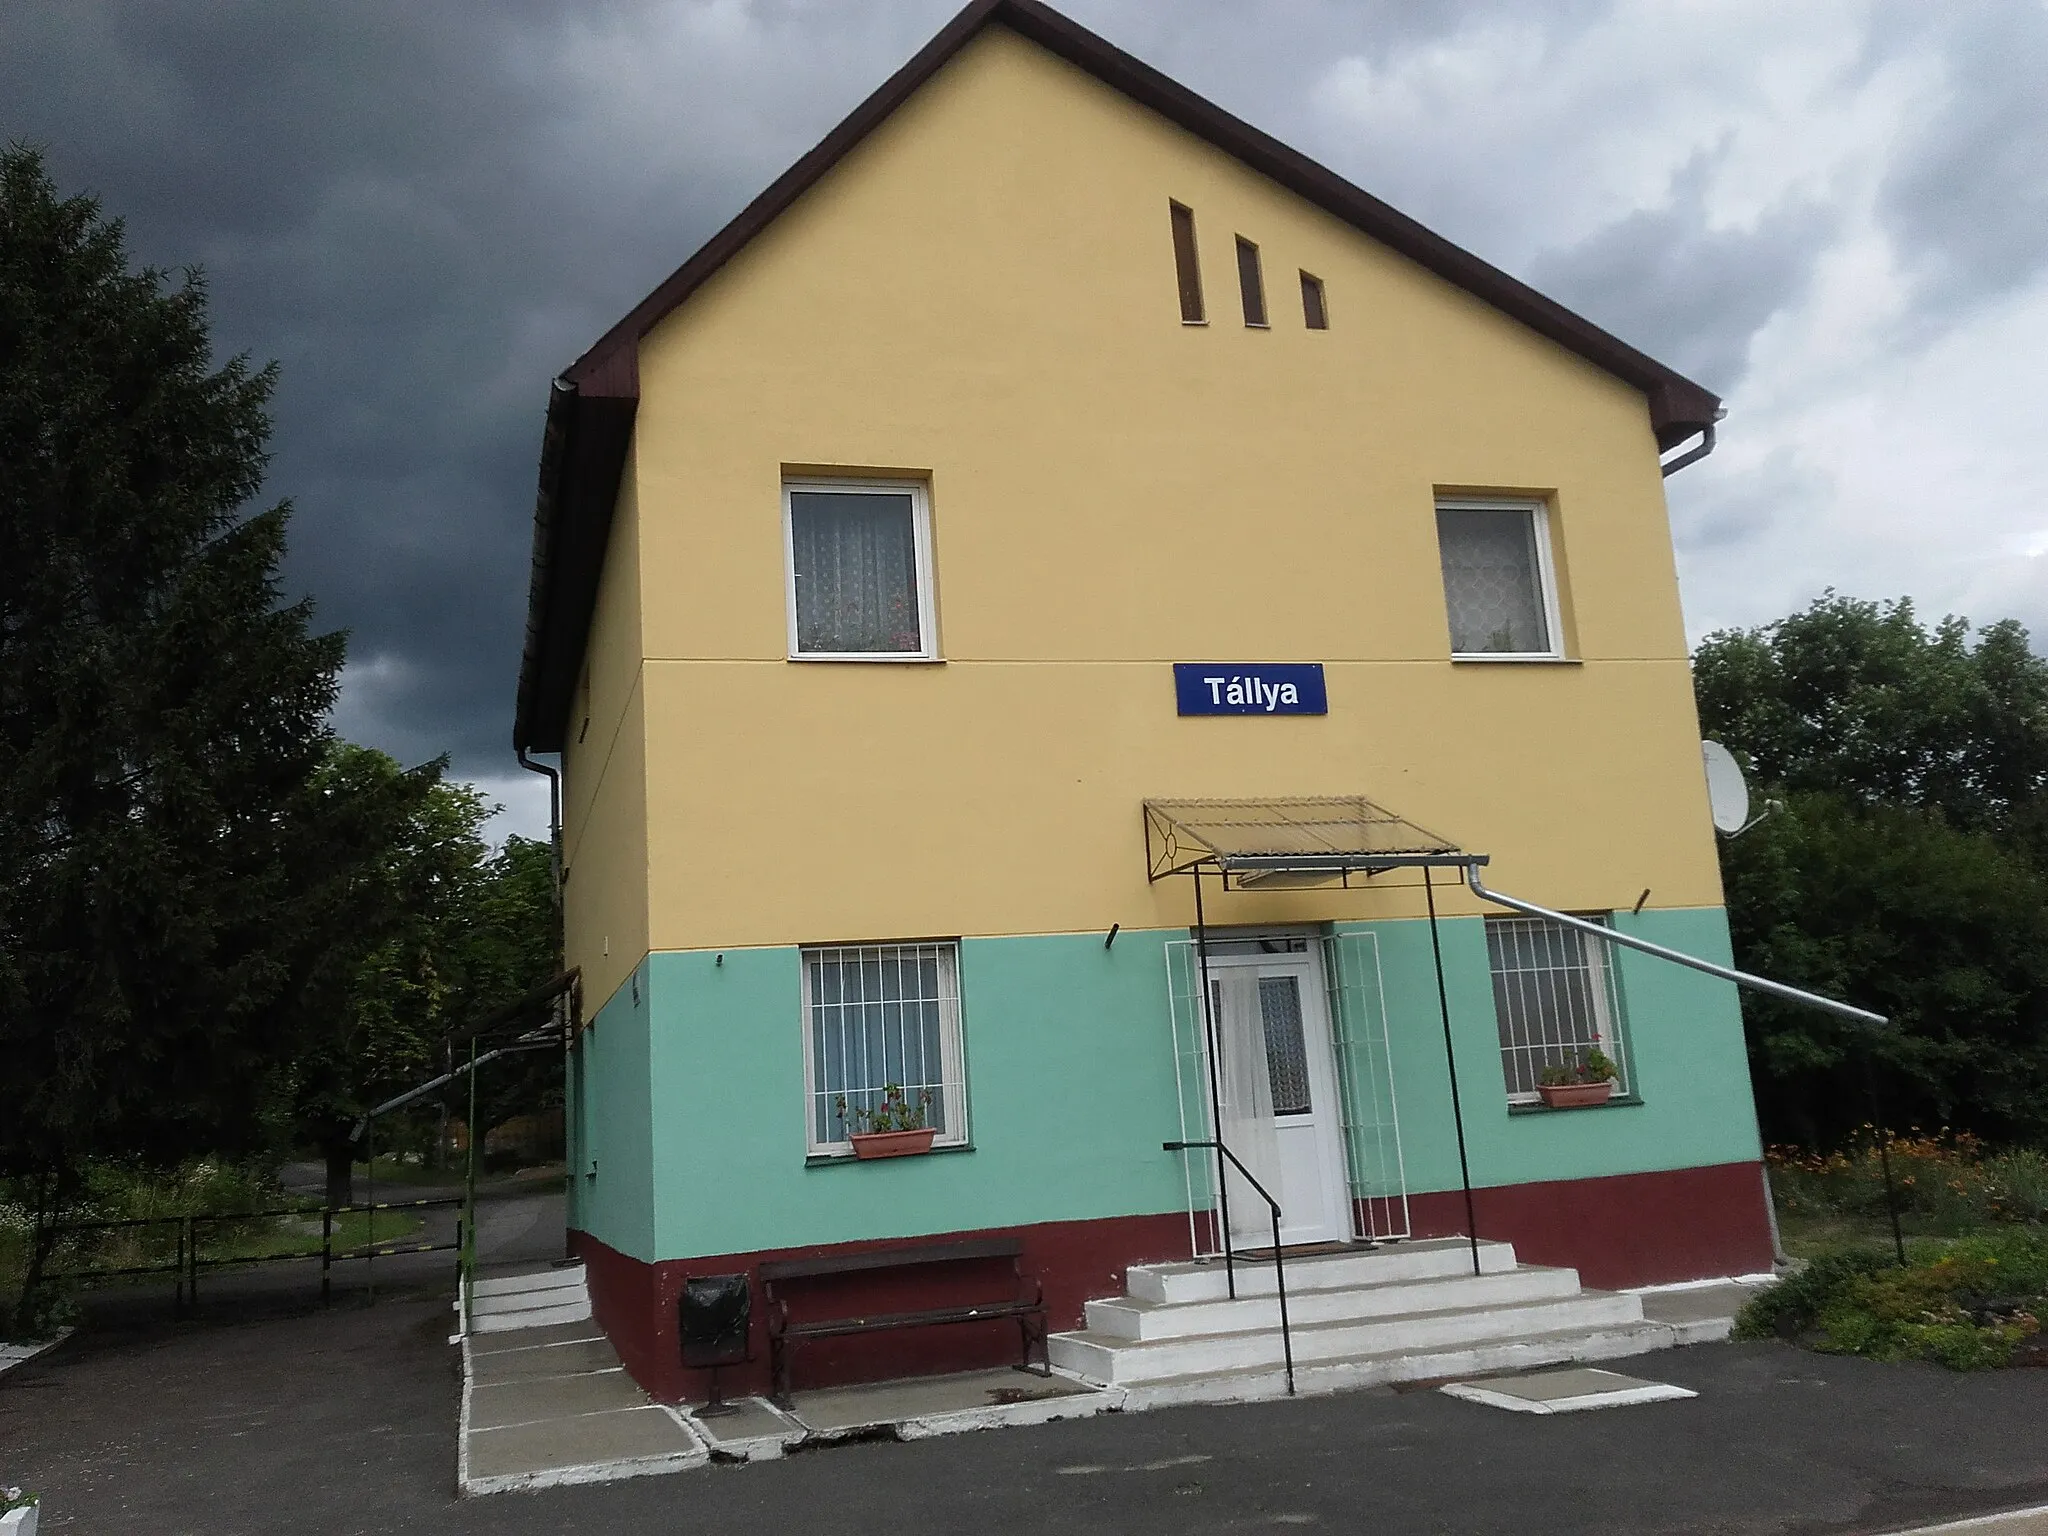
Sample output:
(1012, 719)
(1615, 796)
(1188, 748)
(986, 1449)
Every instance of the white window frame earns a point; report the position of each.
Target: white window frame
(1604, 991)
(1546, 574)
(921, 538)
(952, 1059)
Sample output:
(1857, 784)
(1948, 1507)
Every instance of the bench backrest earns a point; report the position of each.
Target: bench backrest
(891, 1258)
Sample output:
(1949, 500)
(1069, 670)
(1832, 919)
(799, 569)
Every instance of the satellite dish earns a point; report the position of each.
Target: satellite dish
(1727, 793)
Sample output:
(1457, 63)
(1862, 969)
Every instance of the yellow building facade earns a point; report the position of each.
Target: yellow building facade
(958, 346)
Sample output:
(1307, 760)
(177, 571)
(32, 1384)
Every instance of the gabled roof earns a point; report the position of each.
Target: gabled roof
(590, 413)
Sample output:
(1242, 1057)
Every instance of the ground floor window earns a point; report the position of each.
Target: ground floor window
(877, 1017)
(1554, 999)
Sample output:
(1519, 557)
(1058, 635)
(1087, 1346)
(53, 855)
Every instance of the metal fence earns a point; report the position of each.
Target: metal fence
(179, 1245)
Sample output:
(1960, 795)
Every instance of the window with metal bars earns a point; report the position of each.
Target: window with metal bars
(1554, 999)
(878, 1016)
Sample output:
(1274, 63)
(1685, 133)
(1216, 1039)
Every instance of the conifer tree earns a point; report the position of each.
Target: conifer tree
(164, 854)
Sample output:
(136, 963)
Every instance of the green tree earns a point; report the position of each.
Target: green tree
(162, 714)
(509, 943)
(1861, 701)
(431, 931)
(388, 986)
(1906, 871)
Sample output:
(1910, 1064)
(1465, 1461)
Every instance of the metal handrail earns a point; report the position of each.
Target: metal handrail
(1279, 1262)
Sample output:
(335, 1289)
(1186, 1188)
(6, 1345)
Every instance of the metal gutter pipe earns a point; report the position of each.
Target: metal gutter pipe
(554, 778)
(1677, 957)
(1692, 455)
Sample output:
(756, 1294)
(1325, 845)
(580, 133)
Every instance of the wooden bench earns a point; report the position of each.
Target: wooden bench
(1027, 1307)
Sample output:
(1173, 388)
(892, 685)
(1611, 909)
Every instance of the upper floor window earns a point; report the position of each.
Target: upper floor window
(859, 570)
(1499, 589)
(1554, 1000)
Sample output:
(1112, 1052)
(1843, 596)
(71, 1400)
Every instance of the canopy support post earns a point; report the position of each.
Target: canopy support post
(1215, 1094)
(1443, 1003)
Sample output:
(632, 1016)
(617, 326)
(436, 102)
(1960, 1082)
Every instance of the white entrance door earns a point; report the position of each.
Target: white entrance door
(1308, 1122)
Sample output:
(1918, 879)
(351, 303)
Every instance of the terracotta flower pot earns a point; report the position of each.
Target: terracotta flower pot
(893, 1143)
(1576, 1095)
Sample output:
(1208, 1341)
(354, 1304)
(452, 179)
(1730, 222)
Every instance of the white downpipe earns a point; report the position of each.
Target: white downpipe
(1677, 957)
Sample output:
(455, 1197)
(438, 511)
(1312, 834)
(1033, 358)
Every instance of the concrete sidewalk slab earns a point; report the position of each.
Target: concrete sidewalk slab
(557, 1413)
(1569, 1391)
(534, 1338)
(588, 1448)
(12, 1355)
(754, 1430)
(921, 1407)
(541, 1360)
(1701, 1314)
(493, 1406)
(2015, 1522)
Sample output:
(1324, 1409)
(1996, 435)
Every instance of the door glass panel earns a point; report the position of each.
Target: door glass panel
(1286, 1049)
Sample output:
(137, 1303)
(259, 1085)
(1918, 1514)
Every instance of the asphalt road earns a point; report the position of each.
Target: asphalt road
(344, 1422)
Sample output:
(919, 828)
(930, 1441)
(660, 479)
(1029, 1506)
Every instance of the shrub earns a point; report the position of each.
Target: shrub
(1967, 1304)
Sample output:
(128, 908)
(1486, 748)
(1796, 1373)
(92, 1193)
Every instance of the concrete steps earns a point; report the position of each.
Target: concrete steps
(1133, 1319)
(1565, 1347)
(501, 1303)
(1402, 1312)
(1429, 1258)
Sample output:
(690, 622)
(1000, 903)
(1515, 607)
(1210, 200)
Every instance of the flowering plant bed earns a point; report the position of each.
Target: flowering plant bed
(1587, 1080)
(873, 1144)
(896, 1127)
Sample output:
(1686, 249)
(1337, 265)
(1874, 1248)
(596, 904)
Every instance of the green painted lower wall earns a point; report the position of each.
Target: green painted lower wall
(1069, 1081)
(1686, 1057)
(693, 1103)
(610, 1124)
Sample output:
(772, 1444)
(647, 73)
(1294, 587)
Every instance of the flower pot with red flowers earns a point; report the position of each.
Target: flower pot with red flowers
(897, 1127)
(1580, 1084)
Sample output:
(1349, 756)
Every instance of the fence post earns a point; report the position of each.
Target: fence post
(191, 1232)
(178, 1290)
(326, 1250)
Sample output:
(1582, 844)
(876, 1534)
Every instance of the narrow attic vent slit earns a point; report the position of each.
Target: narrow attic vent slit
(1250, 283)
(1315, 313)
(1187, 266)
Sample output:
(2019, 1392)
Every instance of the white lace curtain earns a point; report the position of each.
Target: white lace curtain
(1245, 1087)
(1492, 582)
(855, 556)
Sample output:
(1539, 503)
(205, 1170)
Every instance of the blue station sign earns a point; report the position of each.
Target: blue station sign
(1250, 688)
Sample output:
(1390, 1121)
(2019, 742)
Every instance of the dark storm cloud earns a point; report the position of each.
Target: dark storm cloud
(382, 202)
(1689, 293)
(425, 210)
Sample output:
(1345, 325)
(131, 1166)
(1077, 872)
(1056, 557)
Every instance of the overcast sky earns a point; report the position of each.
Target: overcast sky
(1833, 212)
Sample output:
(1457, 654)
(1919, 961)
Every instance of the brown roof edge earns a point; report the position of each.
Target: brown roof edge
(1678, 407)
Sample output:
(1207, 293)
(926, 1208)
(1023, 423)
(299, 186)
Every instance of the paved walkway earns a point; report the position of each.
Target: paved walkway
(345, 1423)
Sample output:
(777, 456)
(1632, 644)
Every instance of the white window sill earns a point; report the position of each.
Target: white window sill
(1538, 1107)
(828, 1158)
(886, 658)
(1515, 658)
